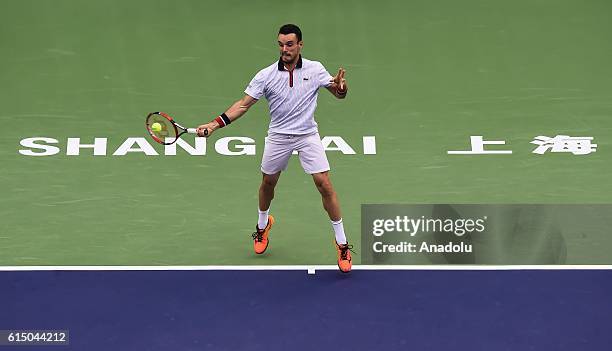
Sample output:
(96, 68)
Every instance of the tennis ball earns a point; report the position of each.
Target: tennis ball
(156, 127)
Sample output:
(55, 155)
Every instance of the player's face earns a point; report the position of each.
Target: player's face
(289, 47)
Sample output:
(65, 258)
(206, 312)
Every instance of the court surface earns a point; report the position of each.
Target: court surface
(424, 76)
(279, 310)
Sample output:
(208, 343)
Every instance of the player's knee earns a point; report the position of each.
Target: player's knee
(269, 182)
(325, 188)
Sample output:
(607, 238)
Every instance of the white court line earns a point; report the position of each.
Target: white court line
(307, 267)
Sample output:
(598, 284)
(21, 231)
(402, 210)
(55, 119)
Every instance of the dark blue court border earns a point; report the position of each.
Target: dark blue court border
(290, 310)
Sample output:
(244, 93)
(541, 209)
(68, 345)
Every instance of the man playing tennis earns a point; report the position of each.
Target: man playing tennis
(291, 87)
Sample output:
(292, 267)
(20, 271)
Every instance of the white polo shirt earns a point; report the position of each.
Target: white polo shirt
(292, 96)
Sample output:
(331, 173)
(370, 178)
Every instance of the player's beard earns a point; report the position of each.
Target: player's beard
(292, 58)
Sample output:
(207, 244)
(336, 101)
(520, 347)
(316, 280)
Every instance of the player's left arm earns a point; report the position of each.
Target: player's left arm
(338, 86)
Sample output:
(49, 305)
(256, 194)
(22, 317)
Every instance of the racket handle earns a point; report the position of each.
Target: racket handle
(195, 131)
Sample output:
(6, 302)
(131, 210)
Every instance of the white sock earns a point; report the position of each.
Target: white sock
(263, 219)
(339, 231)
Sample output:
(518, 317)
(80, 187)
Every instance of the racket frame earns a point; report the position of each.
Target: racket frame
(175, 125)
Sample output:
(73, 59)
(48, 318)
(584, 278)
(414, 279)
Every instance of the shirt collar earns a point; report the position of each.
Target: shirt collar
(281, 65)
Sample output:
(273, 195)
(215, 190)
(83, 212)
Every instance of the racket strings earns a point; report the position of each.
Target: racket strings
(161, 128)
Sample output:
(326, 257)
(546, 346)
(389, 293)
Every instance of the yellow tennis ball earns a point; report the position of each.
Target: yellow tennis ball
(156, 127)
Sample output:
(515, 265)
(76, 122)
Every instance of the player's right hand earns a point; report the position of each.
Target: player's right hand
(208, 127)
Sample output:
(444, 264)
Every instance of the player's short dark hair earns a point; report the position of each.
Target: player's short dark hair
(291, 28)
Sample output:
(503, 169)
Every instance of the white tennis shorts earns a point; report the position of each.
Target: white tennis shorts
(279, 147)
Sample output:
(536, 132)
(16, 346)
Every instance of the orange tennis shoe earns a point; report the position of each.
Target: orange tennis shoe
(260, 237)
(344, 257)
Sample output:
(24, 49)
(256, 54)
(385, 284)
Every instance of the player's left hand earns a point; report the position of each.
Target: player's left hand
(339, 79)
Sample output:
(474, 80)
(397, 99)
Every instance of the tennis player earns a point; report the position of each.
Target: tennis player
(291, 86)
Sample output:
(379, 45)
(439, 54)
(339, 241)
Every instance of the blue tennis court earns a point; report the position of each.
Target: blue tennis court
(281, 310)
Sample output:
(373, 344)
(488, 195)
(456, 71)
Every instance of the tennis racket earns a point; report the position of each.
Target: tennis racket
(165, 130)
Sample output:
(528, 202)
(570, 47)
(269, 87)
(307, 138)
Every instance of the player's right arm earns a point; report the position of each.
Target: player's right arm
(234, 112)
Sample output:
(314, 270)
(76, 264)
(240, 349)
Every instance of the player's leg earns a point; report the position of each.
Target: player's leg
(314, 161)
(328, 195)
(266, 194)
(332, 206)
(277, 152)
